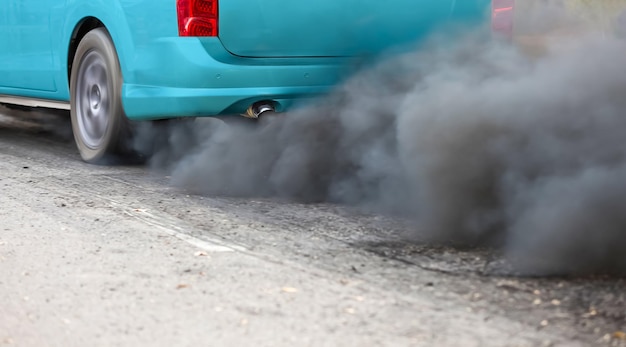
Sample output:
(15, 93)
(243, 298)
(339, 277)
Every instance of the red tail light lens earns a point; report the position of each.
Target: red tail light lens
(197, 17)
(502, 16)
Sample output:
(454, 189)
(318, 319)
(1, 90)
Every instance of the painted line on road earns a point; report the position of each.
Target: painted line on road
(194, 241)
(168, 227)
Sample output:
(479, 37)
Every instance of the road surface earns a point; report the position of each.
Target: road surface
(116, 256)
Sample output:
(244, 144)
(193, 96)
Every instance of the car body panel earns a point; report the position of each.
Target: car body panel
(279, 28)
(170, 76)
(25, 38)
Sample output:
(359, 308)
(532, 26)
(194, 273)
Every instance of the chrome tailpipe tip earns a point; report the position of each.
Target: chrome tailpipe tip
(259, 108)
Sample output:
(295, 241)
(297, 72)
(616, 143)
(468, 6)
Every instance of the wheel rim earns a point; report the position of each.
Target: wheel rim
(92, 98)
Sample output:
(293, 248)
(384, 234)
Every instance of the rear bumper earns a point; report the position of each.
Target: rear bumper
(178, 77)
(157, 102)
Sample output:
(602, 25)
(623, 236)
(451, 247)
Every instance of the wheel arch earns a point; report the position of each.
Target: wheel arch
(82, 28)
(83, 17)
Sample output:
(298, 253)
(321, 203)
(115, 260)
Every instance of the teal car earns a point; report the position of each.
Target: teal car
(113, 61)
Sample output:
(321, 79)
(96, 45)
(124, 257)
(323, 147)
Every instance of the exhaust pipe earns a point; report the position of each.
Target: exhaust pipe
(259, 108)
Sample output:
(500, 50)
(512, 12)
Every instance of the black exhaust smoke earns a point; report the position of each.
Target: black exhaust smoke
(476, 142)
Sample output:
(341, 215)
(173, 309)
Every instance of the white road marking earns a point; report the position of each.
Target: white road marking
(172, 228)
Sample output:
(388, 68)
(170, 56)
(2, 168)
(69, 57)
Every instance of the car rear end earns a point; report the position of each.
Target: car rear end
(212, 57)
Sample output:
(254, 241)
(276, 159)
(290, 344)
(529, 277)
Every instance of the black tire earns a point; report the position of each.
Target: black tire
(100, 126)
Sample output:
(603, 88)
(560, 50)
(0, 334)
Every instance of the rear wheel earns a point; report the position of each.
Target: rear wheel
(98, 121)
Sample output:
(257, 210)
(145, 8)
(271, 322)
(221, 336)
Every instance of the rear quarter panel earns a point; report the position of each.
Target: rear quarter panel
(132, 24)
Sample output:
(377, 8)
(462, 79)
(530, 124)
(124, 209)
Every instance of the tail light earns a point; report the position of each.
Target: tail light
(197, 17)
(502, 16)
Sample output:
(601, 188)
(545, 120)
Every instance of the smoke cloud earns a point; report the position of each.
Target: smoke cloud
(475, 141)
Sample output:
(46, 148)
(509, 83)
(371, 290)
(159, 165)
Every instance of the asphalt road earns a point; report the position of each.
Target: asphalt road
(116, 256)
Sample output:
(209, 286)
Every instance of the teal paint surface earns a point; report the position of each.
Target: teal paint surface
(281, 50)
